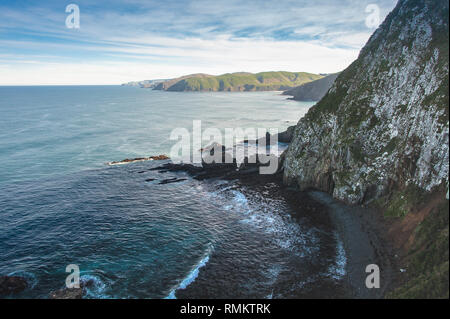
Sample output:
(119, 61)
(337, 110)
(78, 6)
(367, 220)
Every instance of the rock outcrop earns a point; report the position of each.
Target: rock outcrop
(147, 84)
(312, 91)
(384, 124)
(73, 293)
(10, 285)
(140, 159)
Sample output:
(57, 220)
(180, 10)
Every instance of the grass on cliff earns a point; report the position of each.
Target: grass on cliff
(246, 81)
(401, 202)
(428, 266)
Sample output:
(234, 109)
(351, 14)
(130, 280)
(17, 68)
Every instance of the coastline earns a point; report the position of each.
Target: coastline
(365, 242)
(362, 231)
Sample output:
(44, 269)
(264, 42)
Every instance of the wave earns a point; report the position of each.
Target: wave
(268, 215)
(193, 274)
(338, 269)
(94, 286)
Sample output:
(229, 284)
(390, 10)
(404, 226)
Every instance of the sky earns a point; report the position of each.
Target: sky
(129, 40)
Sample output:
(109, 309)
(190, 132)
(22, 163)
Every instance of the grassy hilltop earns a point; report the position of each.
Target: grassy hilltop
(264, 81)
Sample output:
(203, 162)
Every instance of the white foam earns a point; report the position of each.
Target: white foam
(268, 215)
(338, 269)
(97, 289)
(193, 274)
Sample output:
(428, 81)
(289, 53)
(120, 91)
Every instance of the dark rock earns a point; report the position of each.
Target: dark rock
(312, 91)
(73, 293)
(12, 285)
(213, 147)
(67, 293)
(172, 180)
(286, 136)
(250, 166)
(283, 137)
(140, 159)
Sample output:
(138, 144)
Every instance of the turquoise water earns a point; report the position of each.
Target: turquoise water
(61, 204)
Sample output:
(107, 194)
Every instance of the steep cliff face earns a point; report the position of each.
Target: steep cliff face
(384, 124)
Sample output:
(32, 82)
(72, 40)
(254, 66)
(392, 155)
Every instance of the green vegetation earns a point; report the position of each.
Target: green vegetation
(399, 203)
(392, 145)
(264, 81)
(428, 267)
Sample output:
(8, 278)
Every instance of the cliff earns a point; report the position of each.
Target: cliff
(144, 84)
(312, 91)
(380, 137)
(264, 81)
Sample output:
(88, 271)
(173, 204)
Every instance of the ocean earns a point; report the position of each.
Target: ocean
(61, 204)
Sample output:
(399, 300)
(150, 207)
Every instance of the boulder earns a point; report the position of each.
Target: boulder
(67, 293)
(12, 285)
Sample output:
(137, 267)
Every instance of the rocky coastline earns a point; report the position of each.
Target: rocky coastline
(362, 229)
(352, 227)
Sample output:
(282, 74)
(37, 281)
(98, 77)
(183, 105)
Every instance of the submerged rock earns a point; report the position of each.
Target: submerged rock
(72, 293)
(140, 159)
(172, 180)
(10, 285)
(67, 293)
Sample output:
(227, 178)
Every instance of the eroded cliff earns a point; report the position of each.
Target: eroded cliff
(384, 123)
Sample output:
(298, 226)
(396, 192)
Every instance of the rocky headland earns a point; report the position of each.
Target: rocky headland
(238, 82)
(312, 91)
(380, 138)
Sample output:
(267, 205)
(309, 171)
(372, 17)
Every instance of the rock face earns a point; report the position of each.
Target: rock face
(286, 136)
(312, 91)
(384, 124)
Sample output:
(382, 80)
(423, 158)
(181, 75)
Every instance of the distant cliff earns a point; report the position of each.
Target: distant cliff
(312, 91)
(144, 84)
(264, 81)
(380, 136)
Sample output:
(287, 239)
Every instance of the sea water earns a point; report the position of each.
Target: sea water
(61, 204)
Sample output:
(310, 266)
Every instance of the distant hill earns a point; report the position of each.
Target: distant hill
(312, 91)
(230, 82)
(145, 83)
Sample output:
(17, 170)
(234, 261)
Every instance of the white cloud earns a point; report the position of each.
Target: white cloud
(175, 57)
(163, 40)
(355, 40)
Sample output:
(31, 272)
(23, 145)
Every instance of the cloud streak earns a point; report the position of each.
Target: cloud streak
(130, 40)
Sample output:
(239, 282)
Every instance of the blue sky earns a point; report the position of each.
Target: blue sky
(126, 40)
